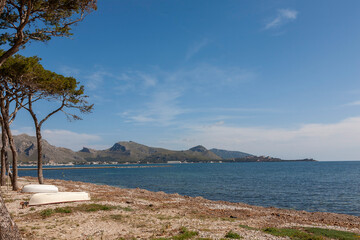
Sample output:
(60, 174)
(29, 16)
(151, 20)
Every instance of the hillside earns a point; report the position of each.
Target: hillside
(225, 154)
(135, 152)
(120, 152)
(27, 151)
(127, 152)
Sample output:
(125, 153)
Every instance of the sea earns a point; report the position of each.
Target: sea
(310, 186)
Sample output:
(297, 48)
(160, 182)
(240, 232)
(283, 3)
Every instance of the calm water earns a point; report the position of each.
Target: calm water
(310, 186)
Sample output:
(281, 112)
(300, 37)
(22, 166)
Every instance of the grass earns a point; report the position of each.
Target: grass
(232, 235)
(247, 227)
(93, 207)
(47, 213)
(184, 234)
(335, 234)
(116, 217)
(82, 208)
(312, 234)
(126, 209)
(63, 210)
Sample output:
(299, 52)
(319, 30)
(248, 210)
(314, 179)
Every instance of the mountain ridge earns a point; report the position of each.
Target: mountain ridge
(126, 152)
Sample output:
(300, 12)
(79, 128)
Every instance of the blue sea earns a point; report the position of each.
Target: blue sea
(310, 186)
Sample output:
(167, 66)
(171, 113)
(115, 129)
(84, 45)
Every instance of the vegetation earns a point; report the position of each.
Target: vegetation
(28, 82)
(232, 235)
(28, 20)
(63, 210)
(334, 234)
(116, 217)
(81, 208)
(311, 233)
(247, 227)
(47, 213)
(184, 234)
(93, 207)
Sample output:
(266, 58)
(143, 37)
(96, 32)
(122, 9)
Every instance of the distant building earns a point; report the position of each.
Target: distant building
(172, 162)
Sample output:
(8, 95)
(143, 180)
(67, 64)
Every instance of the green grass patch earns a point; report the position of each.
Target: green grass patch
(82, 208)
(185, 234)
(63, 210)
(294, 234)
(93, 207)
(334, 234)
(46, 213)
(116, 217)
(126, 209)
(247, 227)
(232, 235)
(312, 233)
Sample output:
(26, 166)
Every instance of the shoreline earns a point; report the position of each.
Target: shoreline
(142, 214)
(100, 167)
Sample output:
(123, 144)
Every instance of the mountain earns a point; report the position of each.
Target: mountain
(135, 152)
(27, 151)
(127, 152)
(225, 154)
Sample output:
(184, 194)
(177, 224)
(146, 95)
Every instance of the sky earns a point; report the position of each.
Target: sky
(277, 78)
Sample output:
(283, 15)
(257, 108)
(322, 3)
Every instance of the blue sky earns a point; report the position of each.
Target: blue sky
(278, 78)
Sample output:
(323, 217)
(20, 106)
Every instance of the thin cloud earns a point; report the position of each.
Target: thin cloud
(355, 103)
(334, 141)
(162, 109)
(165, 90)
(70, 71)
(193, 50)
(69, 139)
(284, 16)
(63, 138)
(96, 79)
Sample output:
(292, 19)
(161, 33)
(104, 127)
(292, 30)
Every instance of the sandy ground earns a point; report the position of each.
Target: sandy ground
(141, 214)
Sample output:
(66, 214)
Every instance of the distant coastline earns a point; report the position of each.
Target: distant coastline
(95, 164)
(129, 153)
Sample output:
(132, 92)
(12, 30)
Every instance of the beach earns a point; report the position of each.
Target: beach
(117, 213)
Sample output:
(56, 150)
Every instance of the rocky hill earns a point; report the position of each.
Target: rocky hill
(120, 152)
(135, 152)
(225, 154)
(27, 151)
(127, 152)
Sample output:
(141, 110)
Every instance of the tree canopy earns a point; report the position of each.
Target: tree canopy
(24, 80)
(40, 20)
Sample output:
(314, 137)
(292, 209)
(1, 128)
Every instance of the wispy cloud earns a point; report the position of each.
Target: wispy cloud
(194, 49)
(284, 16)
(64, 138)
(69, 139)
(70, 71)
(355, 103)
(96, 79)
(162, 109)
(165, 92)
(335, 141)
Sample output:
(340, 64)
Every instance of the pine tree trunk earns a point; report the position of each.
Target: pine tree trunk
(8, 229)
(5, 115)
(39, 150)
(3, 156)
(14, 162)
